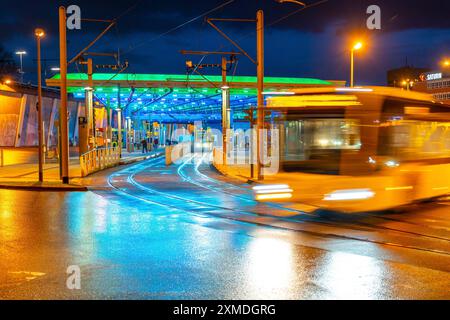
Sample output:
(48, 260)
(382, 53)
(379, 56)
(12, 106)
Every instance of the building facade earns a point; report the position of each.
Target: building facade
(404, 76)
(436, 83)
(18, 116)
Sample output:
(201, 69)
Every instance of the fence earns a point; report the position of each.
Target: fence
(99, 159)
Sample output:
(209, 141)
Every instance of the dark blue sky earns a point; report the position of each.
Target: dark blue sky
(312, 43)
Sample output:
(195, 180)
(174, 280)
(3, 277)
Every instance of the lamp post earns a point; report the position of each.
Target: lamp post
(39, 33)
(260, 97)
(63, 115)
(408, 84)
(355, 47)
(119, 122)
(20, 53)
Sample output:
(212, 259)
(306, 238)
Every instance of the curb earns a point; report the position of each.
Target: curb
(240, 178)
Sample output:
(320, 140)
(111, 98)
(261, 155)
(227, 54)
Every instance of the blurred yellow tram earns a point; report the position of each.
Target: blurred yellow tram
(358, 149)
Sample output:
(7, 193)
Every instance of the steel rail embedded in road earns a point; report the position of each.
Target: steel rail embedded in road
(350, 226)
(244, 215)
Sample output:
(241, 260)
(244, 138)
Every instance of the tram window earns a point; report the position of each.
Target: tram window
(415, 140)
(409, 140)
(316, 145)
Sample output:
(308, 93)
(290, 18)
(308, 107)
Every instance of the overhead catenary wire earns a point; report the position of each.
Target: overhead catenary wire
(125, 12)
(180, 26)
(270, 25)
(198, 17)
(308, 6)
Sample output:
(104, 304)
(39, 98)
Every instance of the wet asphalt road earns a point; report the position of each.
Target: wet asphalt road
(185, 232)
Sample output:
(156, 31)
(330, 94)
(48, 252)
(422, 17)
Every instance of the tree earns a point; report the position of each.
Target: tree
(8, 66)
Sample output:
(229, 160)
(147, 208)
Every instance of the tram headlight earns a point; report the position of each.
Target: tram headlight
(273, 192)
(392, 164)
(350, 194)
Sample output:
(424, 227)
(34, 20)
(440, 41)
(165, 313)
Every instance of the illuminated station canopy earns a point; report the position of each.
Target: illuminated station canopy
(186, 96)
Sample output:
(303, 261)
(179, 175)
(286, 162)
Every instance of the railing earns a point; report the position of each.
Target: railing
(99, 159)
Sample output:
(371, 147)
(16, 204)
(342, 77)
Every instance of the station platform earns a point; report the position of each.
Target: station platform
(25, 175)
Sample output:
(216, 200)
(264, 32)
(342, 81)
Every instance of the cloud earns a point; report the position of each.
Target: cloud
(326, 26)
(161, 15)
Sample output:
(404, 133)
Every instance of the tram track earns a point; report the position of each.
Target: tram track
(390, 219)
(375, 216)
(305, 216)
(250, 217)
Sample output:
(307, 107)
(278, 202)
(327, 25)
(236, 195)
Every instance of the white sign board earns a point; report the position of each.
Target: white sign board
(434, 76)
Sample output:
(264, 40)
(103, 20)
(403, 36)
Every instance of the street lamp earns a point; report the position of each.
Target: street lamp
(408, 84)
(39, 33)
(21, 53)
(357, 46)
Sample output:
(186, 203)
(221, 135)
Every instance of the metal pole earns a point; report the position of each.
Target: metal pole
(119, 123)
(63, 111)
(40, 129)
(260, 80)
(21, 68)
(88, 113)
(126, 131)
(352, 68)
(224, 111)
(91, 100)
(108, 124)
(251, 143)
(112, 23)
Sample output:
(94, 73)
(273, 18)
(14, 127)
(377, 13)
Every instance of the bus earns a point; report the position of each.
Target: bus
(358, 149)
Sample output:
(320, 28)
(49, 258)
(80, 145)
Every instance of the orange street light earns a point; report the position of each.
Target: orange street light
(39, 33)
(408, 84)
(446, 63)
(357, 46)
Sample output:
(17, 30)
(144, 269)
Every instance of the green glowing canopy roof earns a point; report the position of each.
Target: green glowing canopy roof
(176, 93)
(129, 77)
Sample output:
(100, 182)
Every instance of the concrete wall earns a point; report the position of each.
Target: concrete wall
(19, 119)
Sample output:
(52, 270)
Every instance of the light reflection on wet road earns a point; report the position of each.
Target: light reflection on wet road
(178, 234)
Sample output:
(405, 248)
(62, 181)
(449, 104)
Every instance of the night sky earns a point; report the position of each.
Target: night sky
(312, 43)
